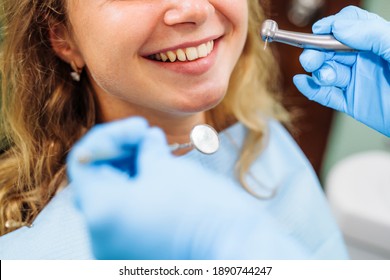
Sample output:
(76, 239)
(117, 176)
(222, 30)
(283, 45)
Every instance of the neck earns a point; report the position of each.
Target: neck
(176, 127)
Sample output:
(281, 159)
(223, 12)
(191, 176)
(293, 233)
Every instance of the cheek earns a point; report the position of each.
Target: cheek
(108, 55)
(108, 78)
(235, 11)
(235, 14)
(241, 17)
(110, 37)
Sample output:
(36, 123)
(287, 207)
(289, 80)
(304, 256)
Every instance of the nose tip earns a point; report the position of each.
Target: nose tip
(190, 11)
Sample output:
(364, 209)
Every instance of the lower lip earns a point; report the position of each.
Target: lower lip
(195, 67)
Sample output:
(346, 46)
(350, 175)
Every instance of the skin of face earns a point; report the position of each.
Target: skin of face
(116, 42)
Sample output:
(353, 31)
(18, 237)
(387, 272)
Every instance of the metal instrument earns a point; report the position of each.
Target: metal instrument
(270, 32)
(203, 137)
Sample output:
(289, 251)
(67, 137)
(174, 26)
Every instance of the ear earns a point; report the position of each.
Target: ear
(64, 45)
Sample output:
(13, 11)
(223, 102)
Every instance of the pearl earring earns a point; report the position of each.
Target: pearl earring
(75, 74)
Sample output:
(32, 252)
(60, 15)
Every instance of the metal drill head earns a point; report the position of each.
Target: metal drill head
(268, 30)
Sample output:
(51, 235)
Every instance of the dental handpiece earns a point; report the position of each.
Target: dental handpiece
(270, 32)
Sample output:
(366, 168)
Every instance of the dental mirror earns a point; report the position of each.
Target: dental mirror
(203, 137)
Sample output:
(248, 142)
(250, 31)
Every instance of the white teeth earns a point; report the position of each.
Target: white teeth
(202, 50)
(192, 53)
(210, 46)
(189, 54)
(164, 57)
(181, 55)
(172, 56)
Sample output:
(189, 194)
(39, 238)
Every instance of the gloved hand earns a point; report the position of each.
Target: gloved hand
(354, 83)
(166, 207)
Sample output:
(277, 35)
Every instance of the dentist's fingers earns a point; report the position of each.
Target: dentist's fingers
(365, 35)
(153, 152)
(110, 138)
(329, 96)
(312, 60)
(325, 25)
(333, 74)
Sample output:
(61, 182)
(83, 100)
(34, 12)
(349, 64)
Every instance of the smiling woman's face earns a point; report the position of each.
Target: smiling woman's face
(171, 57)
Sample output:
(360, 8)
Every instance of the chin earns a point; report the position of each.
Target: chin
(200, 103)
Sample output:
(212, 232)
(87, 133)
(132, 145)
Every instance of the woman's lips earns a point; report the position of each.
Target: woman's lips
(185, 54)
(192, 60)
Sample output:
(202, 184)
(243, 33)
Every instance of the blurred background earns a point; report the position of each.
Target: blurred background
(351, 160)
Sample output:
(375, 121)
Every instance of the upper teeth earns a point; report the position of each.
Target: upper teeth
(187, 54)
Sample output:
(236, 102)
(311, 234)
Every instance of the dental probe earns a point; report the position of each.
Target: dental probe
(203, 137)
(270, 32)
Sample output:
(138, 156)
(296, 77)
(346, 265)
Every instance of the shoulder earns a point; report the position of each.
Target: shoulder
(298, 202)
(282, 165)
(281, 158)
(58, 232)
(276, 139)
(280, 141)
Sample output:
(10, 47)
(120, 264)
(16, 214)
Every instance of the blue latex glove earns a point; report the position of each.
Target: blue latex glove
(166, 207)
(354, 83)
